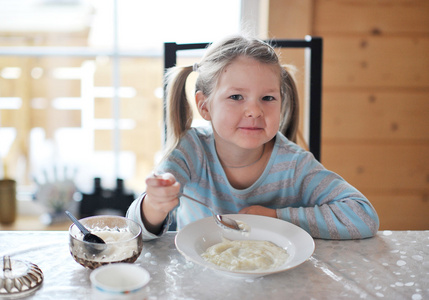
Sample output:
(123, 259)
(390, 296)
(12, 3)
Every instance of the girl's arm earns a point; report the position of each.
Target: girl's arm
(152, 209)
(345, 219)
(328, 207)
(161, 198)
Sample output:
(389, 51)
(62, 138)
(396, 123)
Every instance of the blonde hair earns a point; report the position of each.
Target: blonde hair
(216, 58)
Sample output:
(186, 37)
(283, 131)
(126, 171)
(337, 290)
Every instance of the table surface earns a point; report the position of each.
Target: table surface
(392, 265)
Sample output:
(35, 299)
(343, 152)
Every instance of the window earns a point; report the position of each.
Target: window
(81, 83)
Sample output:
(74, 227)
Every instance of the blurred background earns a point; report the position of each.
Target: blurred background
(81, 95)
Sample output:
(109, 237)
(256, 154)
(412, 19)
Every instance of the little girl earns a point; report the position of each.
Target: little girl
(246, 161)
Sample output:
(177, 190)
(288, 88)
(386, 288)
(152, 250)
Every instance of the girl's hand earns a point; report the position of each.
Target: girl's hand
(259, 210)
(161, 198)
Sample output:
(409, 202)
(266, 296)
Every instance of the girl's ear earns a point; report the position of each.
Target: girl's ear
(201, 102)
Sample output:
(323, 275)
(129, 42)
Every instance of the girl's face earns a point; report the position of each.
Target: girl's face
(245, 107)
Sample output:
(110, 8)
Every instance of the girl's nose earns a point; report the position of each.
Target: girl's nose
(253, 111)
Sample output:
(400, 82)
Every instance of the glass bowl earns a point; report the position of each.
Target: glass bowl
(123, 239)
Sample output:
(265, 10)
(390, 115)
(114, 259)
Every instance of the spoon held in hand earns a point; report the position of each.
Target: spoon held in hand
(221, 221)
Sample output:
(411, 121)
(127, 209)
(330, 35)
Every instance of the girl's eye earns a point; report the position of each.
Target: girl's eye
(268, 98)
(236, 97)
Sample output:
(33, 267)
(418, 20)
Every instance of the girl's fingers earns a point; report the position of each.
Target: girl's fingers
(165, 179)
(162, 188)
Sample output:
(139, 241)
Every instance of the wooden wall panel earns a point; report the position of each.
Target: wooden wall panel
(401, 211)
(290, 19)
(392, 62)
(380, 166)
(371, 17)
(375, 116)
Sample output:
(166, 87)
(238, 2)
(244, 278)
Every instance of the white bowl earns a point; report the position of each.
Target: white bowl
(195, 238)
(119, 281)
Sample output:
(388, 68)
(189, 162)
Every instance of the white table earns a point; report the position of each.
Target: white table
(392, 265)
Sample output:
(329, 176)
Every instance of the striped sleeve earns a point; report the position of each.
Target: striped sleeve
(327, 206)
(134, 213)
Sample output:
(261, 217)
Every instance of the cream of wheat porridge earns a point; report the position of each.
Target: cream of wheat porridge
(246, 255)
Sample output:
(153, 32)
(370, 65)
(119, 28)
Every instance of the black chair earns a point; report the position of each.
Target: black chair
(314, 44)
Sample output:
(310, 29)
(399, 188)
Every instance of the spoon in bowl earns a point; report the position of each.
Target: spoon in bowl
(222, 221)
(88, 236)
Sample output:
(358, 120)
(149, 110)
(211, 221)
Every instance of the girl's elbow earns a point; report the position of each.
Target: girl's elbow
(375, 226)
(372, 226)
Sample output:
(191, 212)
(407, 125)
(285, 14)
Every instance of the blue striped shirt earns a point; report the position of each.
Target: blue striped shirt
(293, 183)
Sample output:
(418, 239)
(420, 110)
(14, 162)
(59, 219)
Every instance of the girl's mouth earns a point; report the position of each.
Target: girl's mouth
(251, 128)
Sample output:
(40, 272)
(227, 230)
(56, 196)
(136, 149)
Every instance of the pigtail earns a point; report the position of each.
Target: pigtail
(290, 106)
(179, 111)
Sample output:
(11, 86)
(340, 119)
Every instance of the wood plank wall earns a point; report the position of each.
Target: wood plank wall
(375, 97)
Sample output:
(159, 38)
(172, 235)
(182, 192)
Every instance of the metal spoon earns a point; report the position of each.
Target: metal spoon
(224, 222)
(88, 236)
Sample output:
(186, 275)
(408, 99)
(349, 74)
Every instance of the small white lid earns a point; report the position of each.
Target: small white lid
(119, 278)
